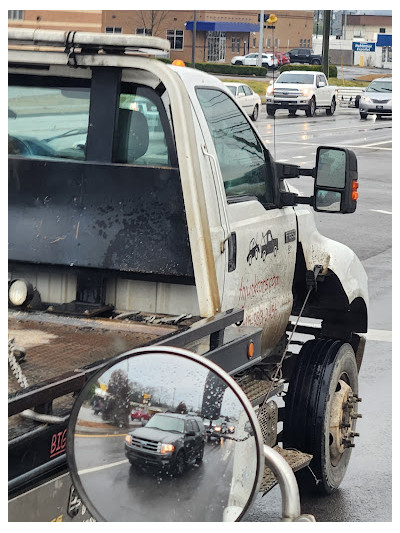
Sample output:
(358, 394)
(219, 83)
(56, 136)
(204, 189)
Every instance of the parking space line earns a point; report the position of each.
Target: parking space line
(103, 467)
(374, 144)
(339, 145)
(379, 335)
(307, 131)
(381, 211)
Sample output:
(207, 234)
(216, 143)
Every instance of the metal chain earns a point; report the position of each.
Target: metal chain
(276, 376)
(14, 365)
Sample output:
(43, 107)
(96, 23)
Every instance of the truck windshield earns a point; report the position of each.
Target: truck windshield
(166, 423)
(48, 121)
(289, 77)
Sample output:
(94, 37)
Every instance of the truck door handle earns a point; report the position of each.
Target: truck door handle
(232, 248)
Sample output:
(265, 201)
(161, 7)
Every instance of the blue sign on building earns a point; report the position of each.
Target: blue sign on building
(364, 47)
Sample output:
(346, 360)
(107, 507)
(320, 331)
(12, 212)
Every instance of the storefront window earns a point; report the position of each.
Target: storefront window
(387, 54)
(175, 37)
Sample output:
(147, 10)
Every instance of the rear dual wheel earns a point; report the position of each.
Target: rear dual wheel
(321, 412)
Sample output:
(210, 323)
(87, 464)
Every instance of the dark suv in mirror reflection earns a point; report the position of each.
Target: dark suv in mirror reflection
(168, 442)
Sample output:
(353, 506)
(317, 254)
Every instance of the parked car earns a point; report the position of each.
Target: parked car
(281, 58)
(246, 97)
(377, 98)
(285, 58)
(169, 441)
(139, 414)
(304, 55)
(267, 60)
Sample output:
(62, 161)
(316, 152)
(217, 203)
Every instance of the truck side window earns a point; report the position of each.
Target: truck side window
(141, 129)
(48, 117)
(242, 157)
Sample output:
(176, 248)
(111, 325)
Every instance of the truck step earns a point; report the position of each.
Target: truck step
(294, 458)
(257, 390)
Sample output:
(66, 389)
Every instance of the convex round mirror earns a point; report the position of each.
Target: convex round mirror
(161, 435)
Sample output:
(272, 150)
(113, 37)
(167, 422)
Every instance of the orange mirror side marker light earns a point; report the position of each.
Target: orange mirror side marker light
(178, 63)
(354, 194)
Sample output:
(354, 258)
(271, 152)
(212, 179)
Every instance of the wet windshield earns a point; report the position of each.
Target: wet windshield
(287, 77)
(166, 423)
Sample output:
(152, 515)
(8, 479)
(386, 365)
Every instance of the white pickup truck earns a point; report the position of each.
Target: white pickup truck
(144, 208)
(301, 90)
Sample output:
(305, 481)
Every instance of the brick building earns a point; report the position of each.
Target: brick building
(220, 35)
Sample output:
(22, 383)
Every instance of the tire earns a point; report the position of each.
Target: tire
(315, 62)
(310, 111)
(199, 458)
(271, 111)
(254, 116)
(180, 463)
(357, 101)
(363, 116)
(318, 401)
(331, 110)
(238, 63)
(292, 112)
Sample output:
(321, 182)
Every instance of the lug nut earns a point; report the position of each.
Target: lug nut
(353, 434)
(355, 415)
(354, 398)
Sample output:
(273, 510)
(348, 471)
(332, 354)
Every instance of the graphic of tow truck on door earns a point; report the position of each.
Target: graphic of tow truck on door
(269, 245)
(254, 250)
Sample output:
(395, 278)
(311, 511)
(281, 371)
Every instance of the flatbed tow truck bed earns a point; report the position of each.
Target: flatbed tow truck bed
(58, 345)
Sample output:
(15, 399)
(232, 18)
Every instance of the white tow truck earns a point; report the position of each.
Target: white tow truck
(301, 90)
(123, 234)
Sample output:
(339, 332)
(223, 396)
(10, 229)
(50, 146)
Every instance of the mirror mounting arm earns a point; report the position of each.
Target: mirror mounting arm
(292, 199)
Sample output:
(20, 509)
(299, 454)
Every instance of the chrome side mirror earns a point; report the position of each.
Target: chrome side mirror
(138, 448)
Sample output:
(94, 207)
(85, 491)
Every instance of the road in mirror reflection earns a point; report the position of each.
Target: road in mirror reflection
(161, 438)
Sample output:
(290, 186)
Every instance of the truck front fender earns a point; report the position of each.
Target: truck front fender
(350, 280)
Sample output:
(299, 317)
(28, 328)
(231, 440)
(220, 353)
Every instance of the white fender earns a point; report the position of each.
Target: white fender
(332, 255)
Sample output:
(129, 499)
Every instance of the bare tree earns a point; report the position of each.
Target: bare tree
(152, 20)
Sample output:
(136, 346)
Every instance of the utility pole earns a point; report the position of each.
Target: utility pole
(345, 25)
(194, 39)
(325, 42)
(261, 39)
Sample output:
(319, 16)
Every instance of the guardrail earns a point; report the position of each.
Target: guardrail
(348, 96)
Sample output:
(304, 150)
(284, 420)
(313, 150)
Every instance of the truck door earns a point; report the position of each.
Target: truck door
(322, 93)
(261, 252)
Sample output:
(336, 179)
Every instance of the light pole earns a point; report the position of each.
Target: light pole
(261, 38)
(194, 39)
